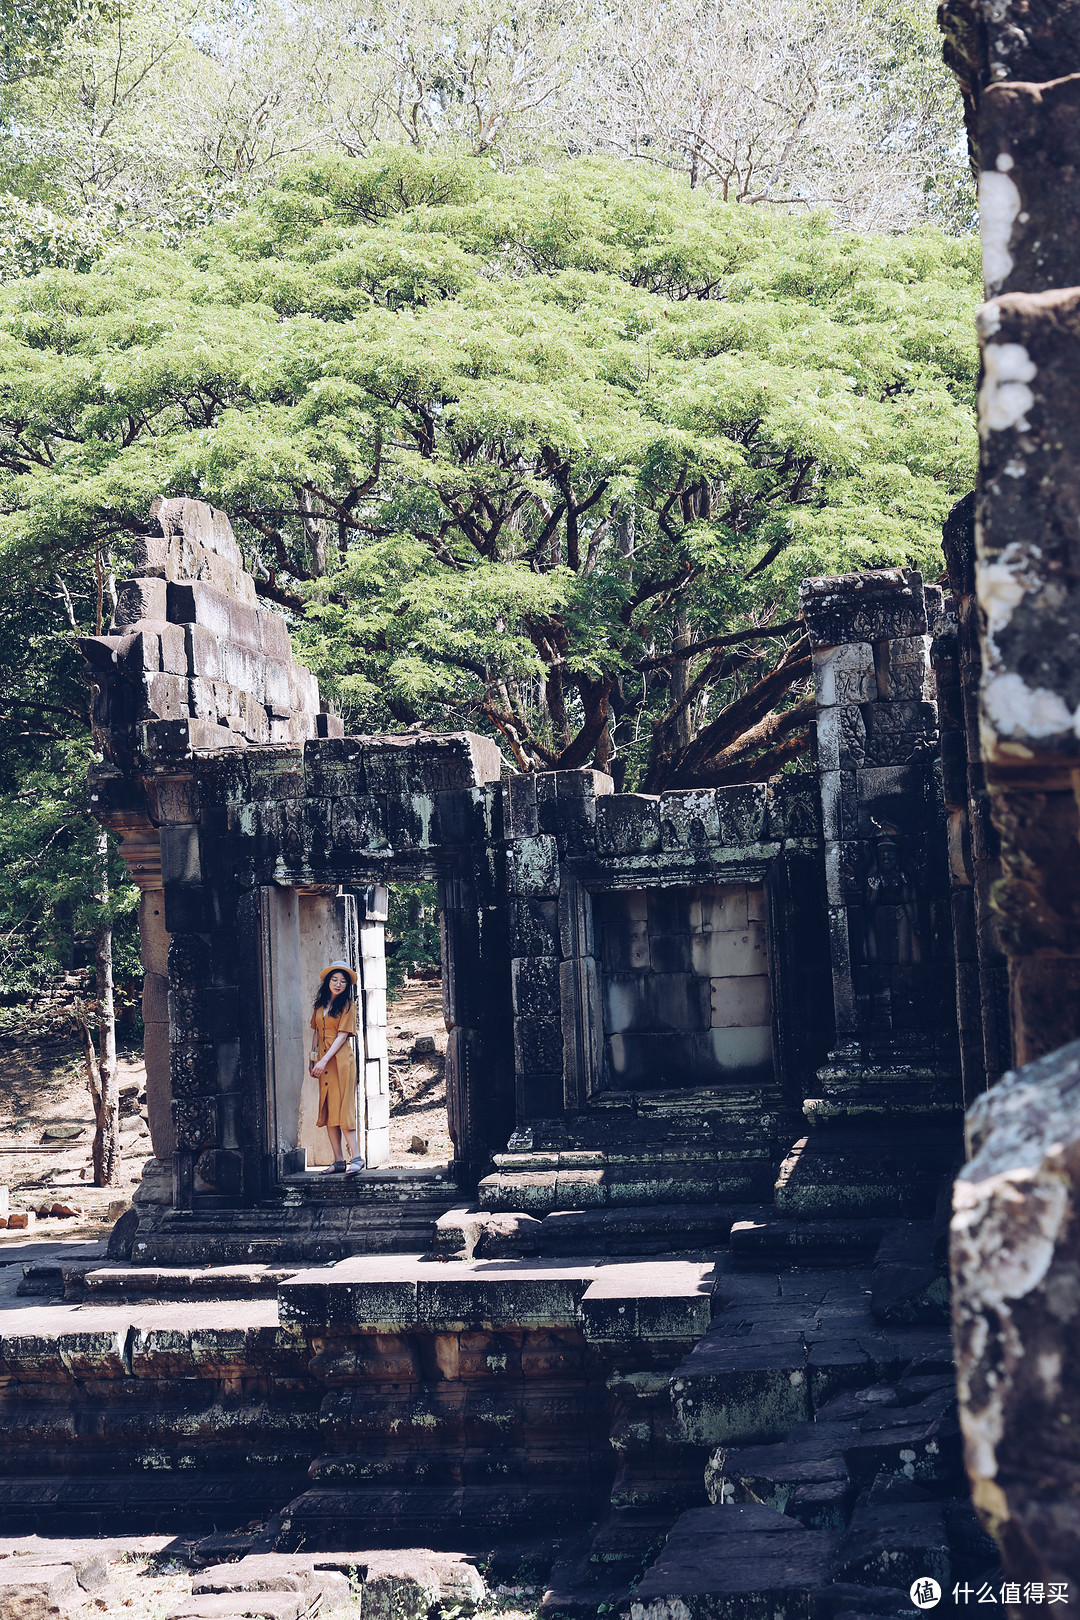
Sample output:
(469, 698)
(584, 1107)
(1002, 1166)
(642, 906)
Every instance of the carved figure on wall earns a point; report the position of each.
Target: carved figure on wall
(333, 1064)
(892, 926)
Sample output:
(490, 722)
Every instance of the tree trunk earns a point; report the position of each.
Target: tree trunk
(680, 678)
(313, 534)
(101, 1065)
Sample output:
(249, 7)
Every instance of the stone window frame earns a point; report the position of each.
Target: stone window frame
(582, 1013)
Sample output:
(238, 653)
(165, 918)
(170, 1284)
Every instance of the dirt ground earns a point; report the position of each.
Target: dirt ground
(417, 1083)
(148, 1580)
(43, 1090)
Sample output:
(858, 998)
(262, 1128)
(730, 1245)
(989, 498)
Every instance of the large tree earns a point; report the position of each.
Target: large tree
(546, 452)
(121, 116)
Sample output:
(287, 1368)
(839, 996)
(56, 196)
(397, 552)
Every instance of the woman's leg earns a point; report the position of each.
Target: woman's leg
(335, 1143)
(350, 1139)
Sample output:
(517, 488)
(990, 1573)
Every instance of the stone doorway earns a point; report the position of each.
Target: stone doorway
(304, 928)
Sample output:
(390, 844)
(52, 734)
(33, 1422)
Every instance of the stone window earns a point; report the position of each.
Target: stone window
(686, 993)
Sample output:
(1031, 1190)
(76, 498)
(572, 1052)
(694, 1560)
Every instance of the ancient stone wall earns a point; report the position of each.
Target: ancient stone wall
(1020, 66)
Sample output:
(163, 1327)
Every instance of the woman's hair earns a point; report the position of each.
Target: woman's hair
(336, 1005)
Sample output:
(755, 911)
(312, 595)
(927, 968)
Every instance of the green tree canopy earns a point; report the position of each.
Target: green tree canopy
(545, 452)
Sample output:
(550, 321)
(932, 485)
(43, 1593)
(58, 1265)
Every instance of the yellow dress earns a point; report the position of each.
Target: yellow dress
(337, 1083)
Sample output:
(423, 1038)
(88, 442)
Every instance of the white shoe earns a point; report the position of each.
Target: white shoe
(354, 1166)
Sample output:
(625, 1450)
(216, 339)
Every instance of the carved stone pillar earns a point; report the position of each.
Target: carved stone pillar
(1019, 66)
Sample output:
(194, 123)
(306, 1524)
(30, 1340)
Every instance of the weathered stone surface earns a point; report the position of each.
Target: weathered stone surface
(412, 1583)
(746, 1561)
(33, 1590)
(1016, 1288)
(259, 1572)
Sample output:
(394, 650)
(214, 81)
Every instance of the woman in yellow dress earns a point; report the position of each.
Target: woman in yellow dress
(333, 1023)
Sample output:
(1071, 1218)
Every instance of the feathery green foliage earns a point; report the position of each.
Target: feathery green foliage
(494, 432)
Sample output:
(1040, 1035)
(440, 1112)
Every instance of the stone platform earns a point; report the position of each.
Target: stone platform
(595, 1405)
(384, 1399)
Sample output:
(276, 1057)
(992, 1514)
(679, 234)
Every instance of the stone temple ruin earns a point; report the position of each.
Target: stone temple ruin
(672, 1330)
(683, 1283)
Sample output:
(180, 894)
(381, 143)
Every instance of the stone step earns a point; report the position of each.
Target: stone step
(783, 1344)
(762, 1242)
(96, 1504)
(743, 1178)
(904, 1106)
(643, 1229)
(175, 1282)
(321, 1519)
(845, 1169)
(311, 1234)
(746, 1562)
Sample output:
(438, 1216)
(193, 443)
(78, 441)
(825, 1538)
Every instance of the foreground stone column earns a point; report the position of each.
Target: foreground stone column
(1019, 68)
(1015, 1254)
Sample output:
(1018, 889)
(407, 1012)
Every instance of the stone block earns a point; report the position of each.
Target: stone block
(903, 670)
(845, 674)
(742, 1562)
(741, 1001)
(846, 867)
(202, 651)
(868, 607)
(159, 1089)
(723, 909)
(138, 599)
(535, 987)
(734, 1391)
(180, 863)
(377, 1111)
(898, 733)
(689, 821)
(656, 1002)
(794, 808)
(252, 1606)
(896, 795)
(531, 1191)
(359, 824)
(259, 1572)
(304, 696)
(841, 734)
(165, 697)
(533, 868)
(519, 807)
(720, 955)
(34, 1588)
(839, 804)
(193, 1069)
(741, 813)
(628, 824)
(335, 766)
(537, 1045)
(155, 998)
(243, 667)
(196, 1120)
(742, 1050)
(375, 1002)
(153, 936)
(534, 927)
(653, 1060)
(1031, 164)
(895, 1545)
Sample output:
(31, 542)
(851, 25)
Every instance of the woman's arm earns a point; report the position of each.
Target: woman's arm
(338, 1042)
